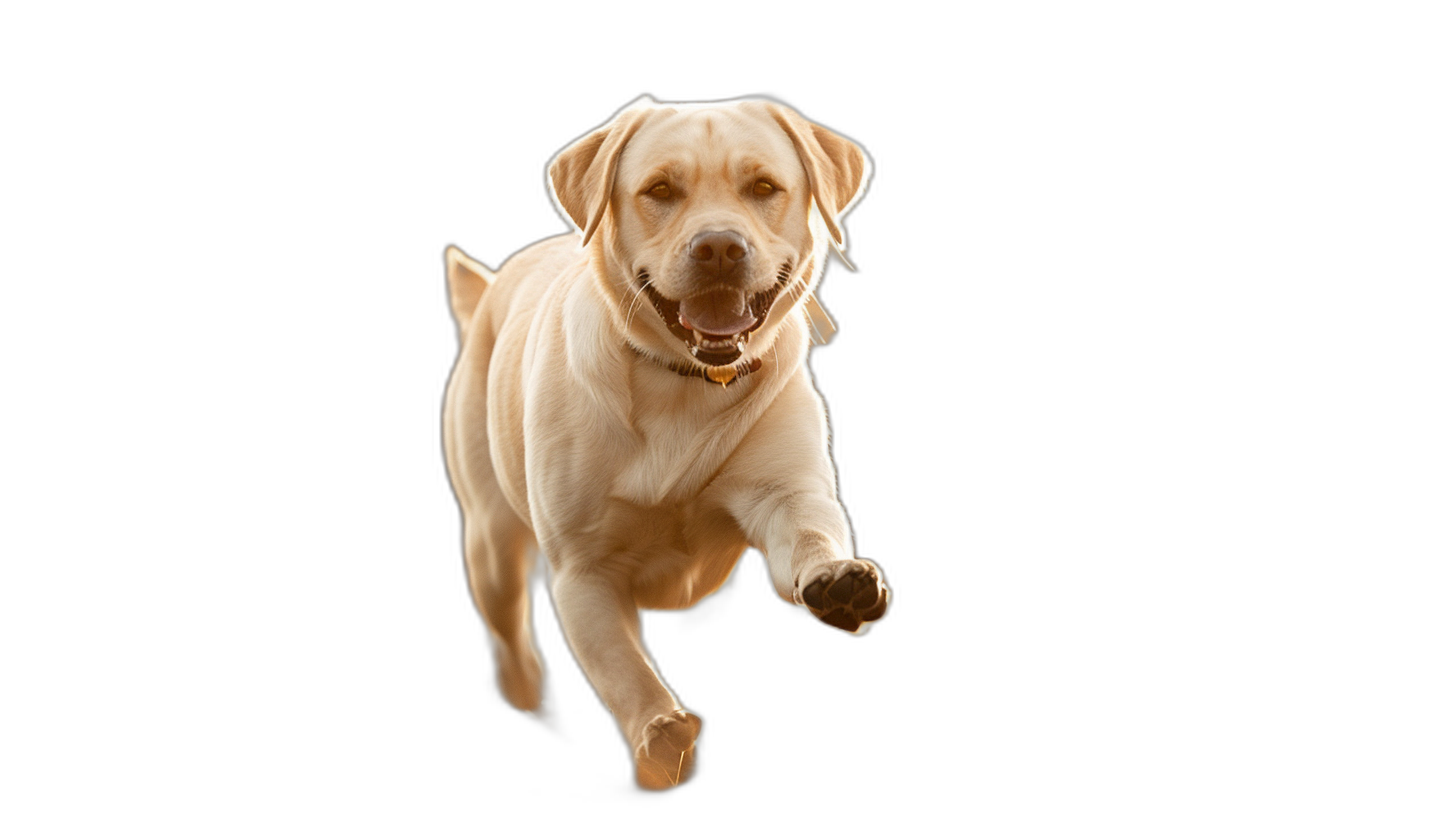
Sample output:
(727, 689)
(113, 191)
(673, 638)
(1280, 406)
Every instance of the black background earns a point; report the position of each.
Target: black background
(999, 453)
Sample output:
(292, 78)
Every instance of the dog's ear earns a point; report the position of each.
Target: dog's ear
(582, 174)
(837, 168)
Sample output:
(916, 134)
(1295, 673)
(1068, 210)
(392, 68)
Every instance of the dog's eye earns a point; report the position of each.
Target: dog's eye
(660, 190)
(762, 188)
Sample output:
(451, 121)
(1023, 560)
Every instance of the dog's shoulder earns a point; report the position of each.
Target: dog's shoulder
(525, 277)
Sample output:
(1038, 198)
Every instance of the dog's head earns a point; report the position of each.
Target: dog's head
(717, 216)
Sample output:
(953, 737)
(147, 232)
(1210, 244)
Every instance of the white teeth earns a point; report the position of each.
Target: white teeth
(738, 341)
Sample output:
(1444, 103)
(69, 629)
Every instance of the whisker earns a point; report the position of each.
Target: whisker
(632, 306)
(635, 292)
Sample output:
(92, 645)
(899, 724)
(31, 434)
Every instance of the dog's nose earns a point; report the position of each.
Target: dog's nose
(717, 252)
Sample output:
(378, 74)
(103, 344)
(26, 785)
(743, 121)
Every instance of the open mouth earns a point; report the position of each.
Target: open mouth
(716, 326)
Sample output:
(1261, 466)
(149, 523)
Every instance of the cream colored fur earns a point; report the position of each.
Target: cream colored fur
(565, 428)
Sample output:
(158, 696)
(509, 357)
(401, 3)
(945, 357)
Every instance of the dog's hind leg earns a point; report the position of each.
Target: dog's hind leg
(499, 551)
(499, 547)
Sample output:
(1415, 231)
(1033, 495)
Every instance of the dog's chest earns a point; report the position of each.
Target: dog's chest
(683, 436)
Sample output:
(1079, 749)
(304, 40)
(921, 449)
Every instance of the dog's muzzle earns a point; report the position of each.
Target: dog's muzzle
(717, 320)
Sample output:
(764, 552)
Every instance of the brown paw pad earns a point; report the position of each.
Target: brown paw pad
(847, 594)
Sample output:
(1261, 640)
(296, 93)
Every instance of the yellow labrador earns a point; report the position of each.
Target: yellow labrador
(633, 399)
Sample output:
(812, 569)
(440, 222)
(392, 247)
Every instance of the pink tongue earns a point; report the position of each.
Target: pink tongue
(724, 312)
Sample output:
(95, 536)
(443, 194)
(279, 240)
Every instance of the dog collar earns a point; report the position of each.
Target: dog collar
(723, 375)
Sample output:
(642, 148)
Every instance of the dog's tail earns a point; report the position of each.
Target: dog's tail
(468, 279)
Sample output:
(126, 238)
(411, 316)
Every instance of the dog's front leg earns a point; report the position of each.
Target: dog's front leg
(601, 623)
(779, 487)
(805, 538)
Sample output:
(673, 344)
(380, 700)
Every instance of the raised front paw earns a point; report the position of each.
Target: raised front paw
(665, 751)
(846, 594)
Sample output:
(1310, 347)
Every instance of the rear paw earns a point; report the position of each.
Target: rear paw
(519, 677)
(845, 594)
(665, 753)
